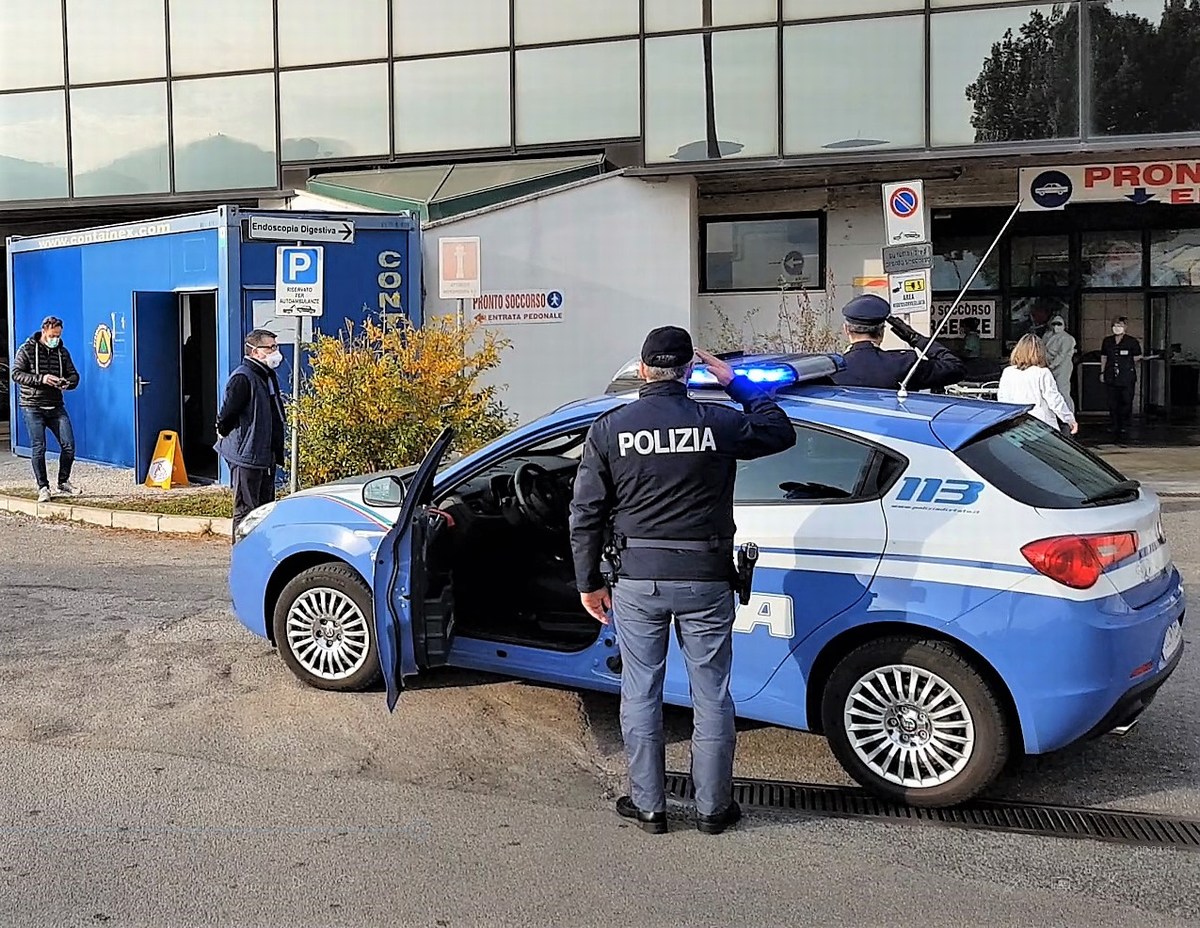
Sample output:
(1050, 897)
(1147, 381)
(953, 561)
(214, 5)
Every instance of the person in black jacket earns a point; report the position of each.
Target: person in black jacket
(661, 470)
(250, 425)
(868, 365)
(43, 369)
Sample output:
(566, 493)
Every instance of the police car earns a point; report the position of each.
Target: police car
(943, 582)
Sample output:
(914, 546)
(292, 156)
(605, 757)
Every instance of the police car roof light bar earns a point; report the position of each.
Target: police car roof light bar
(775, 375)
(902, 393)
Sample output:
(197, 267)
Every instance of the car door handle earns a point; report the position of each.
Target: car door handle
(140, 384)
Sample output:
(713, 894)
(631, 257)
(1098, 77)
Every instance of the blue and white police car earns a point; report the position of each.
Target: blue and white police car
(943, 581)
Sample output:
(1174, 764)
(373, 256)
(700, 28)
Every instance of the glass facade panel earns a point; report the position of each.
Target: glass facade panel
(823, 9)
(669, 15)
(846, 89)
(1112, 259)
(119, 140)
(225, 132)
(334, 112)
(452, 104)
(577, 92)
(1005, 75)
(33, 145)
(955, 258)
(744, 90)
(1175, 258)
(564, 20)
(1041, 261)
(762, 254)
(1144, 67)
(316, 31)
(427, 27)
(116, 41)
(221, 35)
(31, 53)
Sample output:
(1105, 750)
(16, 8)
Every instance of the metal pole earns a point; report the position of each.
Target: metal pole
(293, 475)
(903, 391)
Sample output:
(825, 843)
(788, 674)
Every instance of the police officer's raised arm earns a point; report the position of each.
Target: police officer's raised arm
(591, 506)
(940, 367)
(763, 428)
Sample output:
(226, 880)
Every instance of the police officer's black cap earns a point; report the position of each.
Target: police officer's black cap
(867, 309)
(668, 346)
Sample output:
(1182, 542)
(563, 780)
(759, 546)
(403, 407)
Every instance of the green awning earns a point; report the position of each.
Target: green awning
(442, 191)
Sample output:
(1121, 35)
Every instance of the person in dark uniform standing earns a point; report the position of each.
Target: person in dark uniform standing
(1119, 357)
(661, 470)
(868, 365)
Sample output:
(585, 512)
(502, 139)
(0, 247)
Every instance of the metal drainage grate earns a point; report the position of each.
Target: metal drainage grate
(1015, 817)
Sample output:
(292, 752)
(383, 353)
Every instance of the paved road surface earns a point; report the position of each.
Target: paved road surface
(163, 768)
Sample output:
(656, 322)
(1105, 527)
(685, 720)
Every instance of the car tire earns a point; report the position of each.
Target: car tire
(325, 630)
(914, 722)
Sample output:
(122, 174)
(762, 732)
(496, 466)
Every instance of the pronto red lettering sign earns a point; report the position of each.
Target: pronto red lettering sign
(1137, 183)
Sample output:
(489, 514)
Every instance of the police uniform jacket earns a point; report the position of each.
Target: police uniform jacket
(662, 469)
(868, 365)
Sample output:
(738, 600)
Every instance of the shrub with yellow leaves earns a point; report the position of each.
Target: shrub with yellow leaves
(376, 399)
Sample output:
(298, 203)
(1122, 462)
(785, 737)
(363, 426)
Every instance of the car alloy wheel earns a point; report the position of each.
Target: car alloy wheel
(909, 726)
(327, 633)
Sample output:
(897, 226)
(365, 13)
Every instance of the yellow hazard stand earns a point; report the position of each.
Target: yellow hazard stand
(166, 467)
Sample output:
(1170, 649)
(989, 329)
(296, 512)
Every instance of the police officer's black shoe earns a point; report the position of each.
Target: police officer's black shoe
(653, 823)
(715, 824)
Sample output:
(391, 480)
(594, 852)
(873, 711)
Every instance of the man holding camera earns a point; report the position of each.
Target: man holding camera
(43, 369)
(868, 365)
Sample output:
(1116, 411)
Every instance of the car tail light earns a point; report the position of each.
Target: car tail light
(1078, 560)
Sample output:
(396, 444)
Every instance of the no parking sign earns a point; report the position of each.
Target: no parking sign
(904, 212)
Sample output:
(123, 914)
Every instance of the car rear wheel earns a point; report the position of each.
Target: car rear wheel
(324, 629)
(914, 722)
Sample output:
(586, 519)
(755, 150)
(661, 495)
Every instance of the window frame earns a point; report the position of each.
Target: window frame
(822, 247)
(868, 479)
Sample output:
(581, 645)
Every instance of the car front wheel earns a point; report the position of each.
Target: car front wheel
(324, 629)
(914, 722)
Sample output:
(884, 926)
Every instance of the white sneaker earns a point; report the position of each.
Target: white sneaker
(69, 489)
(44, 495)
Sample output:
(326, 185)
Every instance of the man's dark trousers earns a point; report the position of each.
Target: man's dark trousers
(1120, 407)
(37, 421)
(252, 487)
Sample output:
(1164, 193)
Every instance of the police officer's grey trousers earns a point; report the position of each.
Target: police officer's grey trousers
(704, 614)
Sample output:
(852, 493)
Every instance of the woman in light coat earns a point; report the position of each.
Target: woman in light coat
(1029, 382)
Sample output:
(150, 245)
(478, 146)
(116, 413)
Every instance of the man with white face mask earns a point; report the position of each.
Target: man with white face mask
(250, 425)
(1119, 357)
(1060, 354)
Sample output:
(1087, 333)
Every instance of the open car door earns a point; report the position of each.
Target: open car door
(410, 635)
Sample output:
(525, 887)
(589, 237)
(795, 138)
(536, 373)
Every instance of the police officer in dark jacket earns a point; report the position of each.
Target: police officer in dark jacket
(868, 365)
(250, 425)
(661, 471)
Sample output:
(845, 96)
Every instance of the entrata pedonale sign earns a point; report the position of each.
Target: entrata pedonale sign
(1175, 182)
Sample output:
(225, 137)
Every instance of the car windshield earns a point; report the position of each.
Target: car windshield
(1036, 465)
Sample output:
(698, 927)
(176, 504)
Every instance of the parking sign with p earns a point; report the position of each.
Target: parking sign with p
(299, 280)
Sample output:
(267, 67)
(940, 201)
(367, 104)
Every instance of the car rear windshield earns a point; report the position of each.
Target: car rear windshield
(1036, 465)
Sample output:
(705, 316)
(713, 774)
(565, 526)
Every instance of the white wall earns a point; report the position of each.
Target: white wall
(854, 234)
(621, 251)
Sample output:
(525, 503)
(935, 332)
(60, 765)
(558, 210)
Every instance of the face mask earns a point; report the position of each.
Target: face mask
(273, 360)
(51, 342)
(1118, 330)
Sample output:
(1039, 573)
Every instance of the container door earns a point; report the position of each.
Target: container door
(157, 383)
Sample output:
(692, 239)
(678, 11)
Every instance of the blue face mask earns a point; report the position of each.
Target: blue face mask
(51, 341)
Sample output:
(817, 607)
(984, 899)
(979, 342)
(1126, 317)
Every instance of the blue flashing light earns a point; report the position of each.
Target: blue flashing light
(775, 375)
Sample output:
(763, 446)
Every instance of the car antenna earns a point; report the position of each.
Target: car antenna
(902, 393)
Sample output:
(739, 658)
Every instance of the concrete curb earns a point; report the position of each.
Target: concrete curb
(124, 519)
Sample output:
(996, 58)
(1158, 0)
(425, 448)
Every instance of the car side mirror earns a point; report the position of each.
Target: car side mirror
(383, 491)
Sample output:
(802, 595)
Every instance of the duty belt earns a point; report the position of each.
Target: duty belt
(678, 544)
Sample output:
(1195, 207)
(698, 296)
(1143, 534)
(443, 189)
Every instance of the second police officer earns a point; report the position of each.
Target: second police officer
(660, 470)
(869, 365)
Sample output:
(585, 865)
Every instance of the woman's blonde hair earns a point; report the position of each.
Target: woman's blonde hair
(1030, 352)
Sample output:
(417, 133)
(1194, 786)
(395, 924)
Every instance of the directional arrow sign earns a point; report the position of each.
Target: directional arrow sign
(285, 229)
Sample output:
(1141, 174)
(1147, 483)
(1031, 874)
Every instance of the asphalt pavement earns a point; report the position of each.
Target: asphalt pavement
(162, 767)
